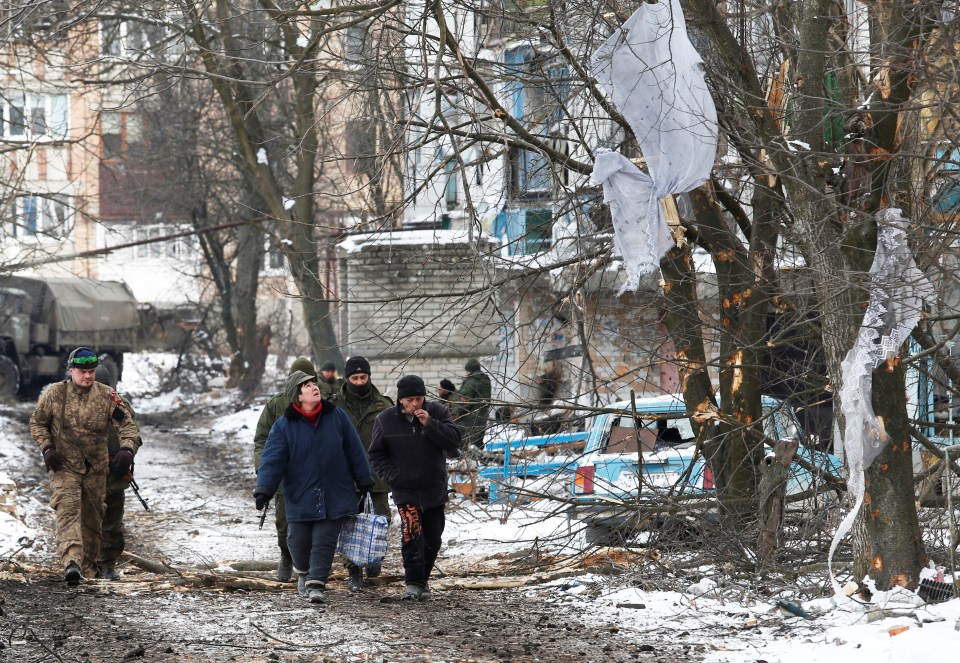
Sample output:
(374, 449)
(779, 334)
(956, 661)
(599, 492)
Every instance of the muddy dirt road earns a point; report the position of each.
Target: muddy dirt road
(198, 481)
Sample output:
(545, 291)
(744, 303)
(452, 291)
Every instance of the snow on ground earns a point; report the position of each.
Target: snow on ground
(895, 626)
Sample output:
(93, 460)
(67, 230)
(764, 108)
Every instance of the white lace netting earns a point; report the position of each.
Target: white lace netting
(651, 72)
(897, 291)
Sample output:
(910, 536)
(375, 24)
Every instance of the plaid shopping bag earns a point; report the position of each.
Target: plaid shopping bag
(363, 540)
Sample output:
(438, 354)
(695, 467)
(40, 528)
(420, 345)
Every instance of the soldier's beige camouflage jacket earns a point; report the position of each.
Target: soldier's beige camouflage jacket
(87, 415)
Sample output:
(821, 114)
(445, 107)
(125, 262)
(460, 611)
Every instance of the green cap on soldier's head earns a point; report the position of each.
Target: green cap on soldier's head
(472, 365)
(292, 386)
(83, 358)
(302, 364)
(328, 366)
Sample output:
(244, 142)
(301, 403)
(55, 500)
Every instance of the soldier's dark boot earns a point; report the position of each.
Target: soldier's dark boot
(285, 567)
(355, 579)
(72, 574)
(374, 570)
(107, 572)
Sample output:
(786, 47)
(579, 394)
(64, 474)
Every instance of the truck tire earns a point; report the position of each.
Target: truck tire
(113, 368)
(9, 378)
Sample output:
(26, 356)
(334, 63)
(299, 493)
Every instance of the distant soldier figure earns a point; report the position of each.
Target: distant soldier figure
(328, 381)
(113, 542)
(272, 411)
(70, 426)
(473, 408)
(447, 394)
(362, 402)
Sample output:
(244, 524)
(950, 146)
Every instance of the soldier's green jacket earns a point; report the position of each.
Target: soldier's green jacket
(329, 390)
(363, 413)
(80, 434)
(115, 480)
(474, 406)
(272, 411)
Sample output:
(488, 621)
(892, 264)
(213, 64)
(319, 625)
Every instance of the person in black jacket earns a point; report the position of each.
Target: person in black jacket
(407, 451)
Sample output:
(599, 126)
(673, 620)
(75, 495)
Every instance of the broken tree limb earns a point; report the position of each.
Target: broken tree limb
(506, 583)
(148, 564)
(774, 473)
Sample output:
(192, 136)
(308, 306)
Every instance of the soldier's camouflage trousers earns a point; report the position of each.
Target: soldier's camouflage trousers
(77, 500)
(112, 541)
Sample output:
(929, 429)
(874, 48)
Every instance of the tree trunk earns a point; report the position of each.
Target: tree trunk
(889, 546)
(774, 474)
(733, 452)
(682, 320)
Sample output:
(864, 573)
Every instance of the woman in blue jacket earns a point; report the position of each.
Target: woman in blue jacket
(315, 450)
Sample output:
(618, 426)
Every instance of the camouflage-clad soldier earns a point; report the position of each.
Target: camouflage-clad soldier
(362, 402)
(70, 426)
(328, 381)
(272, 411)
(473, 409)
(112, 542)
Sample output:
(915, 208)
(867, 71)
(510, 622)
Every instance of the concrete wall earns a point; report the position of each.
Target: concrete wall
(409, 304)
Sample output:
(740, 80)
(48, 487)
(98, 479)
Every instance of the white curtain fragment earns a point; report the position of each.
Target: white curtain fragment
(651, 72)
(897, 291)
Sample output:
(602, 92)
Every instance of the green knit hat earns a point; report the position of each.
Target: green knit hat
(303, 364)
(472, 365)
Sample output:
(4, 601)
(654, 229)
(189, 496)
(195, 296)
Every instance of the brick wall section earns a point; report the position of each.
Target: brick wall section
(405, 310)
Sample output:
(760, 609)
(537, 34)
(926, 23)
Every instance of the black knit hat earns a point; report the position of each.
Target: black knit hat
(356, 364)
(448, 385)
(410, 385)
(328, 366)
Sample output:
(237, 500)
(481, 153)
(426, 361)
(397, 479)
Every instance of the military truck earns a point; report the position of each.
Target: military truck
(42, 320)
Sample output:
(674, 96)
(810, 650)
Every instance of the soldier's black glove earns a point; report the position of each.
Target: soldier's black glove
(366, 485)
(122, 461)
(262, 499)
(52, 459)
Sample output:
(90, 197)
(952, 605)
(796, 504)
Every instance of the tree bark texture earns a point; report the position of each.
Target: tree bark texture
(774, 474)
(890, 548)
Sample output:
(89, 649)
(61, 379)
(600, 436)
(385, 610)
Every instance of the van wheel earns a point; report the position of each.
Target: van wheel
(9, 378)
(113, 369)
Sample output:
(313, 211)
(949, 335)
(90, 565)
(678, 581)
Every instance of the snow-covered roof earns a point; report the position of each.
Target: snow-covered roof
(355, 243)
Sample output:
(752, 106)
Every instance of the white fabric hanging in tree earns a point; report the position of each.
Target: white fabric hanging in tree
(897, 291)
(651, 72)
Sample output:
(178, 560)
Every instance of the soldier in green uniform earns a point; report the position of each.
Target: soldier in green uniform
(447, 394)
(473, 409)
(112, 542)
(70, 426)
(328, 381)
(272, 411)
(362, 402)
